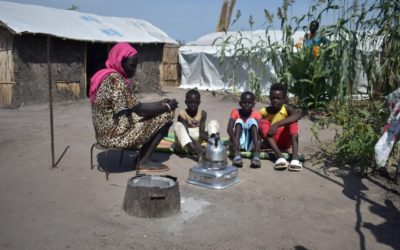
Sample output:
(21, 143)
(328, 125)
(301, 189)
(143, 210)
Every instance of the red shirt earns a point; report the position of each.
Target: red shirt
(235, 114)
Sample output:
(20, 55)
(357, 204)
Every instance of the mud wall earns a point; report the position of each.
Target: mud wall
(68, 69)
(31, 71)
(147, 78)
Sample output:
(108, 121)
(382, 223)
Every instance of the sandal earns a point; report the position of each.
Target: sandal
(295, 165)
(157, 168)
(281, 164)
(237, 161)
(255, 162)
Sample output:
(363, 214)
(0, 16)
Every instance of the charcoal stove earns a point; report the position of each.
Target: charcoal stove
(213, 170)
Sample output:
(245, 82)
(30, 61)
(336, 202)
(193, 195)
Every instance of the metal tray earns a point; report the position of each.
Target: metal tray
(215, 179)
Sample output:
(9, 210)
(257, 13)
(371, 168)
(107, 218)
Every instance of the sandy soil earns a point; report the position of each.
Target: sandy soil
(73, 207)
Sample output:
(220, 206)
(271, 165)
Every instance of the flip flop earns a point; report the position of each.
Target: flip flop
(281, 164)
(255, 162)
(237, 161)
(295, 165)
(159, 168)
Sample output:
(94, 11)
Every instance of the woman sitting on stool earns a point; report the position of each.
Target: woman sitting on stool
(120, 120)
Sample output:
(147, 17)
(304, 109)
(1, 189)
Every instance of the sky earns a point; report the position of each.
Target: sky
(182, 20)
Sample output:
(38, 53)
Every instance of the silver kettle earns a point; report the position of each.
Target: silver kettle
(216, 150)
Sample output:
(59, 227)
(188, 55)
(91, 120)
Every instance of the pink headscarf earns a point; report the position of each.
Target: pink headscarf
(113, 64)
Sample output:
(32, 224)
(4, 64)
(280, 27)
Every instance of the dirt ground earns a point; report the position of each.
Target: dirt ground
(73, 207)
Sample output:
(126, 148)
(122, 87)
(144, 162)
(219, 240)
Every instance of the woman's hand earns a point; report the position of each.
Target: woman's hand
(173, 104)
(153, 109)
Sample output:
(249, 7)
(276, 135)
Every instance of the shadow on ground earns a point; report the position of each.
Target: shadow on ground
(122, 161)
(388, 232)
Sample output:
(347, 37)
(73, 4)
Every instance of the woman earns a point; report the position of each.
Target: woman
(120, 120)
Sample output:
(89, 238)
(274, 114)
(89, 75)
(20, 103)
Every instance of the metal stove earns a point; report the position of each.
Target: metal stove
(213, 170)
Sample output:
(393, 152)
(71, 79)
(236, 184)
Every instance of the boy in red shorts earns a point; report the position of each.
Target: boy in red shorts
(279, 128)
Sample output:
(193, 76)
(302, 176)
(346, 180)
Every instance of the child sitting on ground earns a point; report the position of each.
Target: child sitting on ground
(279, 128)
(243, 130)
(190, 127)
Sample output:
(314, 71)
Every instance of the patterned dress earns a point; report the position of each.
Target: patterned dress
(130, 131)
(391, 134)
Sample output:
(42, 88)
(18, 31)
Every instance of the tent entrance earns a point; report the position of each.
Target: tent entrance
(96, 56)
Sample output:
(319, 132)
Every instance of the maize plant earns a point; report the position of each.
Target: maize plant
(362, 40)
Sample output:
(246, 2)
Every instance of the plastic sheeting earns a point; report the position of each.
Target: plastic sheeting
(23, 18)
(201, 67)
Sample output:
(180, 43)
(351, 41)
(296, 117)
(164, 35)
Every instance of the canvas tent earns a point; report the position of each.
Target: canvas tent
(201, 60)
(79, 46)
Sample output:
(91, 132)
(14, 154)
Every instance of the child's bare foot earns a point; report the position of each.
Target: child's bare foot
(196, 148)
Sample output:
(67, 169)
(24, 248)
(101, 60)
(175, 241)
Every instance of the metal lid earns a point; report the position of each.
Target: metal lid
(152, 181)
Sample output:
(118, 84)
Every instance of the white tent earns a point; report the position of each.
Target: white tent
(200, 60)
(25, 18)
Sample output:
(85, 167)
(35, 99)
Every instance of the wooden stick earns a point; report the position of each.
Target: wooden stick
(50, 102)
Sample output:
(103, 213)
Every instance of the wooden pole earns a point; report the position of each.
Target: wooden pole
(50, 102)
(85, 71)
